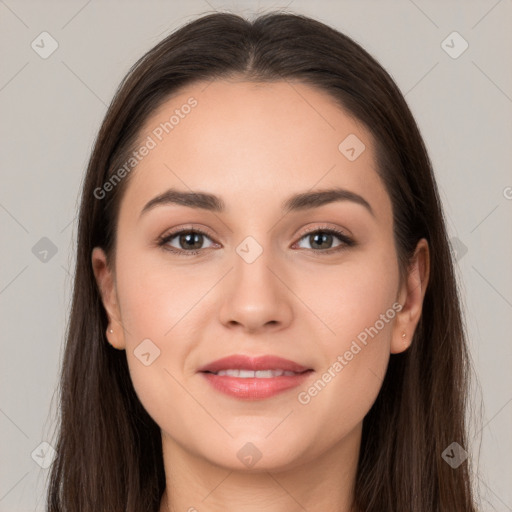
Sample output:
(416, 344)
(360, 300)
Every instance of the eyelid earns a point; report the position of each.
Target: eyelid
(325, 227)
(187, 228)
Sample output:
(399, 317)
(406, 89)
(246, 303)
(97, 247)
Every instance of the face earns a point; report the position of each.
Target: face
(313, 281)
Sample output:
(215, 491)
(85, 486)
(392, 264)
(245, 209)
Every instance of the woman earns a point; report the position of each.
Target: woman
(265, 315)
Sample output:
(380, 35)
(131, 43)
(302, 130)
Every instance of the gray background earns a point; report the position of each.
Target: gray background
(51, 110)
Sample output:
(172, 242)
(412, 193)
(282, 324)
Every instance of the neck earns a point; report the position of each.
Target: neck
(325, 482)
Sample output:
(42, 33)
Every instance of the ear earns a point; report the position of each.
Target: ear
(410, 296)
(105, 280)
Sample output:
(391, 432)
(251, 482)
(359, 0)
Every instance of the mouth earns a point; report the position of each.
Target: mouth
(251, 378)
(251, 374)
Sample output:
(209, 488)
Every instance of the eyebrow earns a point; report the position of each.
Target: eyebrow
(297, 202)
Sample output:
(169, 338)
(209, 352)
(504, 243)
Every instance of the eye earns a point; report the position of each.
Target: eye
(322, 239)
(189, 241)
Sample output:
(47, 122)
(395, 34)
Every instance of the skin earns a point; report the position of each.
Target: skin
(254, 145)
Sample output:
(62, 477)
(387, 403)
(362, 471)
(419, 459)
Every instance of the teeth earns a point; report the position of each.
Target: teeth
(250, 374)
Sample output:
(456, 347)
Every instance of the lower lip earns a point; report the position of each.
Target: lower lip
(255, 388)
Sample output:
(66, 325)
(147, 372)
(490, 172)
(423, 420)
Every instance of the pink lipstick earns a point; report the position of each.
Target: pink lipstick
(254, 378)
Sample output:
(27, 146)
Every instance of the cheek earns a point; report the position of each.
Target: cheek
(352, 295)
(165, 303)
(155, 296)
(357, 305)
(160, 304)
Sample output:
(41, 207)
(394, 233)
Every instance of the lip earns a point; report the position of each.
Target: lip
(243, 362)
(257, 387)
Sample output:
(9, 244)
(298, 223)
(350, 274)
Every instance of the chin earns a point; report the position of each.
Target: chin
(255, 454)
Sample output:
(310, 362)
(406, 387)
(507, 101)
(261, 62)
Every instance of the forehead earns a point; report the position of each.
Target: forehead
(249, 142)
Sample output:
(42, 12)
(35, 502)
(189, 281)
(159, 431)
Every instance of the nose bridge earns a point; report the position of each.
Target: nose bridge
(252, 275)
(256, 296)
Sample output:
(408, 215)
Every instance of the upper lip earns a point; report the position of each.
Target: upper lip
(243, 362)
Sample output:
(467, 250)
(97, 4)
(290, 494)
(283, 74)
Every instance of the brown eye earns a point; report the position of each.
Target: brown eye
(190, 240)
(322, 240)
(187, 242)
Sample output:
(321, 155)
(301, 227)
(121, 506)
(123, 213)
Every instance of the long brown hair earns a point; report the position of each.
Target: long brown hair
(109, 452)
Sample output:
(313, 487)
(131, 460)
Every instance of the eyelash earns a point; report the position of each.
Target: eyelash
(346, 241)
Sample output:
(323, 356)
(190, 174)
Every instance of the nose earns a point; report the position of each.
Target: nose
(256, 297)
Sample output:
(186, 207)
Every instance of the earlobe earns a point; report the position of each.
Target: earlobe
(411, 297)
(106, 286)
